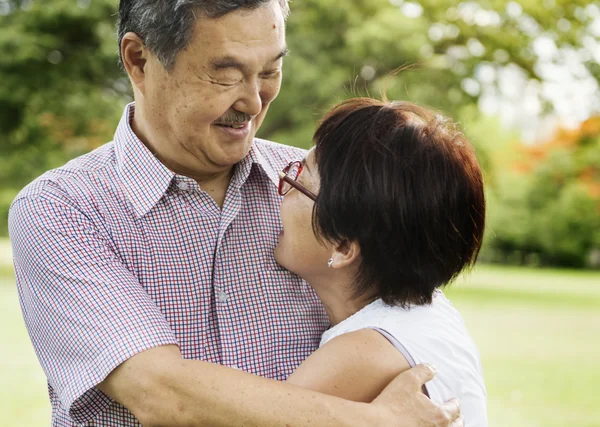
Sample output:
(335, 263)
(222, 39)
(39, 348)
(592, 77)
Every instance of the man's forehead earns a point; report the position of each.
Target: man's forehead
(243, 25)
(239, 35)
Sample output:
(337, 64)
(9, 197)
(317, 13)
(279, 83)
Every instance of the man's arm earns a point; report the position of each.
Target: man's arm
(162, 389)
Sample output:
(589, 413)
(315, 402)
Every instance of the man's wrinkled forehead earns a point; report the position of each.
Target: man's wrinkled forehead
(231, 40)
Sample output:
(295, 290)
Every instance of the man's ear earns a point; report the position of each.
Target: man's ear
(134, 55)
(345, 253)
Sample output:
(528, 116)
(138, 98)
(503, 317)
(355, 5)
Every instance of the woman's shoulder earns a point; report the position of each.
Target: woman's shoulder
(437, 334)
(381, 316)
(433, 333)
(356, 366)
(436, 329)
(369, 317)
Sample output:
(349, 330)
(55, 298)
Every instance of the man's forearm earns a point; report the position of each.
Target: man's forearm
(211, 395)
(162, 389)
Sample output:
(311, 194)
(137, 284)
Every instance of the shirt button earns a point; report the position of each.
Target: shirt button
(223, 297)
(182, 186)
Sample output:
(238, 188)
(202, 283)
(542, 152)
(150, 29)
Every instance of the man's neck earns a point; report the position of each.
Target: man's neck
(216, 186)
(215, 183)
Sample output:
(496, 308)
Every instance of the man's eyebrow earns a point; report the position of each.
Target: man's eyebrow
(227, 62)
(284, 52)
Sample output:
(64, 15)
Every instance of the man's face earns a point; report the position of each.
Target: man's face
(228, 75)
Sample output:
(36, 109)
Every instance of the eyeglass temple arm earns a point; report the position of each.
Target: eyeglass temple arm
(297, 186)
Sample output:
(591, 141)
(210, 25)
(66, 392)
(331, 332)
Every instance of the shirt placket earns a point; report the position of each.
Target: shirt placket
(208, 219)
(223, 280)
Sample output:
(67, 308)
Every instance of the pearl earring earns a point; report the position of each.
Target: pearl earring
(330, 262)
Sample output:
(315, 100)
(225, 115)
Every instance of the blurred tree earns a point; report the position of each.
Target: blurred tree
(61, 85)
(547, 208)
(453, 50)
(62, 90)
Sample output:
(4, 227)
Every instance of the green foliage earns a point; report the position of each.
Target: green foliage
(61, 84)
(550, 216)
(340, 49)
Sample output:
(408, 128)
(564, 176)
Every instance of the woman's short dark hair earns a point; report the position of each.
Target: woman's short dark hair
(404, 183)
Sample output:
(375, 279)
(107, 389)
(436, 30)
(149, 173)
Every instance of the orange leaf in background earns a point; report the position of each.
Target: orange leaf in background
(591, 127)
(564, 138)
(590, 177)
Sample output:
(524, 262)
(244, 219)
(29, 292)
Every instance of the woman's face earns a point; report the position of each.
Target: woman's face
(298, 249)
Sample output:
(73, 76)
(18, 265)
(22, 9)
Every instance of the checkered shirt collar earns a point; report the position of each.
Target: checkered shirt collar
(255, 157)
(146, 179)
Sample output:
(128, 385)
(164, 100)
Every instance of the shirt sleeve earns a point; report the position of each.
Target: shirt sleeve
(85, 312)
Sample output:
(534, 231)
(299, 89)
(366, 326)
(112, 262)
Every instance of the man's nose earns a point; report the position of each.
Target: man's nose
(250, 101)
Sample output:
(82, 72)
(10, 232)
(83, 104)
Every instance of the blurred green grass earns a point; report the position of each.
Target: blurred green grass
(538, 334)
(23, 396)
(537, 330)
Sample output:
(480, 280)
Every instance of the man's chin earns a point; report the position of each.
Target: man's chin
(235, 153)
(229, 159)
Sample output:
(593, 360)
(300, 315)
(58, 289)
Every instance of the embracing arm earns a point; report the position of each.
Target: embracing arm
(162, 389)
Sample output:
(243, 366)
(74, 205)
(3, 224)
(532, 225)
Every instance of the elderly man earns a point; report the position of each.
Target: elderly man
(145, 268)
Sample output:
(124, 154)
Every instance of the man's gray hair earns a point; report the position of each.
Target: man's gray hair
(167, 26)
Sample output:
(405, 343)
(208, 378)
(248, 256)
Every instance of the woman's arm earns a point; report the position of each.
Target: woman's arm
(355, 366)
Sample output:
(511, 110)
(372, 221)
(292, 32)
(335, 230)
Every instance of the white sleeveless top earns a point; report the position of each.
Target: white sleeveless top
(433, 334)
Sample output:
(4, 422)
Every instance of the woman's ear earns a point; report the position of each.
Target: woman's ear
(345, 253)
(134, 54)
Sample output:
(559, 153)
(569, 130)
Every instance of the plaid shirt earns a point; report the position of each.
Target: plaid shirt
(115, 254)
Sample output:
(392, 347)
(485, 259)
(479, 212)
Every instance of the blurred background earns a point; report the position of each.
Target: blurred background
(520, 77)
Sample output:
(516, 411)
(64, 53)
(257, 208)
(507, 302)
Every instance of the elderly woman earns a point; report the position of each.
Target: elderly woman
(386, 209)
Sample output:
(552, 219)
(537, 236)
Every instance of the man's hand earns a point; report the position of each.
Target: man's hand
(403, 404)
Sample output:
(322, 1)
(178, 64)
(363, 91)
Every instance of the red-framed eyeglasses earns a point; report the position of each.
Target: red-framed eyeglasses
(288, 179)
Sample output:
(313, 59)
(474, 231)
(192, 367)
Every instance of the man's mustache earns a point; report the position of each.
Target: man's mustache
(234, 117)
